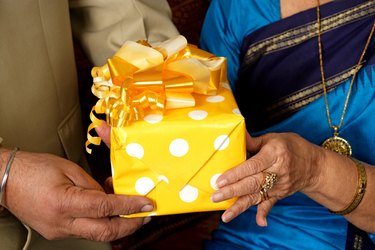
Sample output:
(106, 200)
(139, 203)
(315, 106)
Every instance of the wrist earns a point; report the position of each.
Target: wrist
(317, 171)
(3, 157)
(337, 181)
(5, 170)
(360, 190)
(4, 154)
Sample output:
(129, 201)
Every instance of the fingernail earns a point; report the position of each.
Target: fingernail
(227, 216)
(146, 220)
(265, 222)
(216, 197)
(147, 208)
(221, 183)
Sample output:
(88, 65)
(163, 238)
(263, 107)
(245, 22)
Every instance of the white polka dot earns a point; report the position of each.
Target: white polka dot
(237, 111)
(213, 181)
(198, 115)
(226, 85)
(189, 193)
(215, 99)
(163, 178)
(221, 142)
(153, 118)
(135, 150)
(144, 185)
(179, 147)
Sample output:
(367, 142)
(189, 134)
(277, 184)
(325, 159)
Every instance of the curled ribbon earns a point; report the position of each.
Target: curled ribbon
(140, 79)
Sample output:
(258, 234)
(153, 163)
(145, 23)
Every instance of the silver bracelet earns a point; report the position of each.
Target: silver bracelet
(6, 172)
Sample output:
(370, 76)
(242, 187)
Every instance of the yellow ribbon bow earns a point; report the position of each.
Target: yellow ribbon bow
(140, 79)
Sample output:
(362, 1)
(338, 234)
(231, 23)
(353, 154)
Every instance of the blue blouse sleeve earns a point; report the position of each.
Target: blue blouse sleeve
(228, 22)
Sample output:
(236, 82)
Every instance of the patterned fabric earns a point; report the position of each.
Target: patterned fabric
(282, 46)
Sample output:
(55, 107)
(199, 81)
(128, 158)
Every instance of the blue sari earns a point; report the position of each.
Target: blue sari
(277, 83)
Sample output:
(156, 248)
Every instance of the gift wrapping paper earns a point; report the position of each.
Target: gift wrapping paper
(168, 152)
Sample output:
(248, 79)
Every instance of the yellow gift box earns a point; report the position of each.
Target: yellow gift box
(172, 155)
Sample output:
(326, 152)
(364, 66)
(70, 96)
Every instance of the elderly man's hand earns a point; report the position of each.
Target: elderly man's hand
(58, 199)
(104, 131)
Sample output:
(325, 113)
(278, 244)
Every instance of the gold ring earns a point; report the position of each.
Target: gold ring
(268, 182)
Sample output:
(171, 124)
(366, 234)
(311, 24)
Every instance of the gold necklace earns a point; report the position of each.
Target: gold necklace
(336, 143)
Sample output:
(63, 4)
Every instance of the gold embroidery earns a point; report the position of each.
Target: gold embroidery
(315, 91)
(357, 242)
(299, 35)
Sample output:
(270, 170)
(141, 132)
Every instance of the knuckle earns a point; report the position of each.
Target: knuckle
(244, 203)
(104, 233)
(258, 183)
(237, 208)
(283, 152)
(60, 208)
(252, 184)
(255, 164)
(230, 191)
(105, 208)
(66, 205)
(251, 199)
(247, 167)
(107, 235)
(131, 205)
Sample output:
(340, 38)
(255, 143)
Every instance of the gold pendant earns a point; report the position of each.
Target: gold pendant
(338, 145)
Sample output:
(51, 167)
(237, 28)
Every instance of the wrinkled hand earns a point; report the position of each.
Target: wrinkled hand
(288, 155)
(59, 199)
(104, 131)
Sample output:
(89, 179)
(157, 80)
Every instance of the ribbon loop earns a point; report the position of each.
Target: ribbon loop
(140, 79)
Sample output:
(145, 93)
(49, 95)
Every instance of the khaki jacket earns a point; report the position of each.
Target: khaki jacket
(39, 102)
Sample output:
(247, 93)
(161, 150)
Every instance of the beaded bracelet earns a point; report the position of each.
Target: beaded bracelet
(6, 172)
(361, 189)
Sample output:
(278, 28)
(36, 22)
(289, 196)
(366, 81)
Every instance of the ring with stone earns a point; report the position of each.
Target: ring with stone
(268, 182)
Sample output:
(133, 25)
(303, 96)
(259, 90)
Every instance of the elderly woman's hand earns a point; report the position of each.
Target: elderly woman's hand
(289, 156)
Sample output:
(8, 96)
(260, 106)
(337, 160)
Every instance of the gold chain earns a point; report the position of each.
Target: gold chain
(335, 128)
